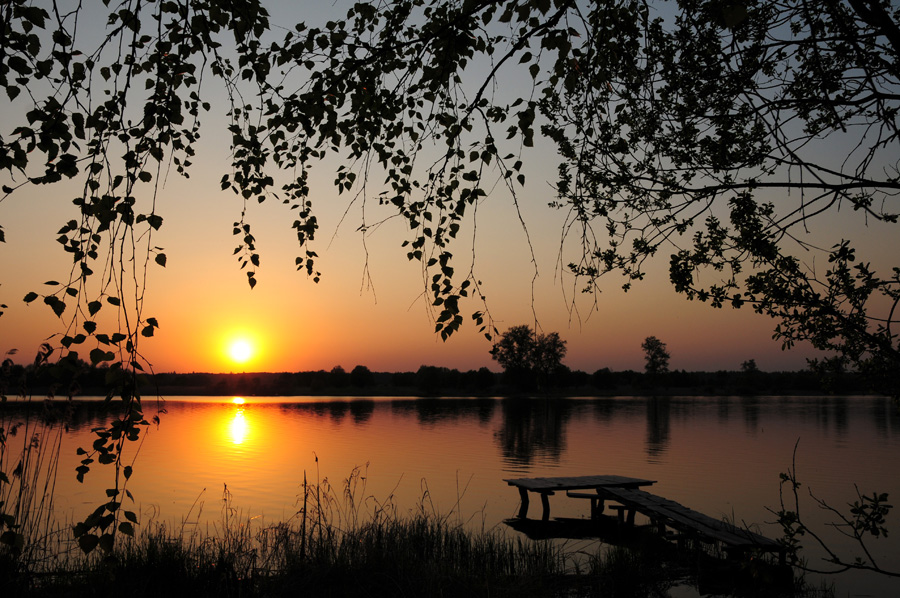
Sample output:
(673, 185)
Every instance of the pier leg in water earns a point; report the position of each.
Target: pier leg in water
(523, 510)
(545, 503)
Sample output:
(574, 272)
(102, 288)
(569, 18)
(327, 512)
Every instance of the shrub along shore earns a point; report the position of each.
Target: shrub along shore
(433, 381)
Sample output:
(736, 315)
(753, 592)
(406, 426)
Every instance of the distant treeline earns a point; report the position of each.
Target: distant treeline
(436, 381)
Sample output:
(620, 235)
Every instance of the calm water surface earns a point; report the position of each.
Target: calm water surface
(720, 455)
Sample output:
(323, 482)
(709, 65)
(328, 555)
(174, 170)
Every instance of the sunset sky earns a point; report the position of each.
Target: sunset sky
(203, 303)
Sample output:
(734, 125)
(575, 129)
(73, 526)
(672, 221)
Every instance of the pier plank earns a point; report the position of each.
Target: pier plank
(577, 482)
(668, 512)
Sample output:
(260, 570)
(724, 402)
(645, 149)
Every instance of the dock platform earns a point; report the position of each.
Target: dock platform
(547, 487)
(663, 513)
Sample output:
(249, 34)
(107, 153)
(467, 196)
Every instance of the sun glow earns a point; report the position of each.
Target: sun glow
(240, 350)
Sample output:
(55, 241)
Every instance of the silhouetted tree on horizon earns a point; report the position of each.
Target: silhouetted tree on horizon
(529, 358)
(361, 376)
(656, 356)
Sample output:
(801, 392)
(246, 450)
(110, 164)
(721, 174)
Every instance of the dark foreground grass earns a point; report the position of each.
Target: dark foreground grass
(418, 555)
(340, 543)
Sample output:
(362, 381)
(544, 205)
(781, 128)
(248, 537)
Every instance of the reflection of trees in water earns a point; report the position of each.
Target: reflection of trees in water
(318, 409)
(361, 410)
(724, 409)
(430, 411)
(427, 411)
(533, 428)
(885, 416)
(840, 415)
(528, 430)
(750, 411)
(832, 413)
(74, 415)
(485, 409)
(821, 413)
(604, 409)
(658, 426)
(337, 410)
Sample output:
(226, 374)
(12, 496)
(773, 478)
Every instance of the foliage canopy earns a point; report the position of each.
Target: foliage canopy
(702, 128)
(697, 127)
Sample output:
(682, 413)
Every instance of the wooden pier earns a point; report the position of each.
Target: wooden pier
(547, 487)
(664, 514)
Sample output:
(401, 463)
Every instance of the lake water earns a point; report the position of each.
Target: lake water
(720, 455)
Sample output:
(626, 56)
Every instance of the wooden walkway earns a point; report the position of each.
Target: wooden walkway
(663, 513)
(546, 487)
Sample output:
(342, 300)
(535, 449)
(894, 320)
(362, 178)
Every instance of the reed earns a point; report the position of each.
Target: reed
(340, 542)
(30, 538)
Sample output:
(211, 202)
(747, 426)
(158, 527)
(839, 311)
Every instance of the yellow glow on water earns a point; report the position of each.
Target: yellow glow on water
(239, 428)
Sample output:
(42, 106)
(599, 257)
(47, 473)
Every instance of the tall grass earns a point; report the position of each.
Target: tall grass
(339, 542)
(30, 538)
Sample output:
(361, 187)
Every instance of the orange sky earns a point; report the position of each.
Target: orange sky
(201, 298)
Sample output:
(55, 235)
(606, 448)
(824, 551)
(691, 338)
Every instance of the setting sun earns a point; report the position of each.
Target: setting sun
(240, 350)
(243, 347)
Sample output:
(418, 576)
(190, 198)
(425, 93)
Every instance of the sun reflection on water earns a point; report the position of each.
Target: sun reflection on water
(238, 427)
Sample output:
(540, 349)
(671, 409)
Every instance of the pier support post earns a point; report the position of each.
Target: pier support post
(523, 510)
(597, 506)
